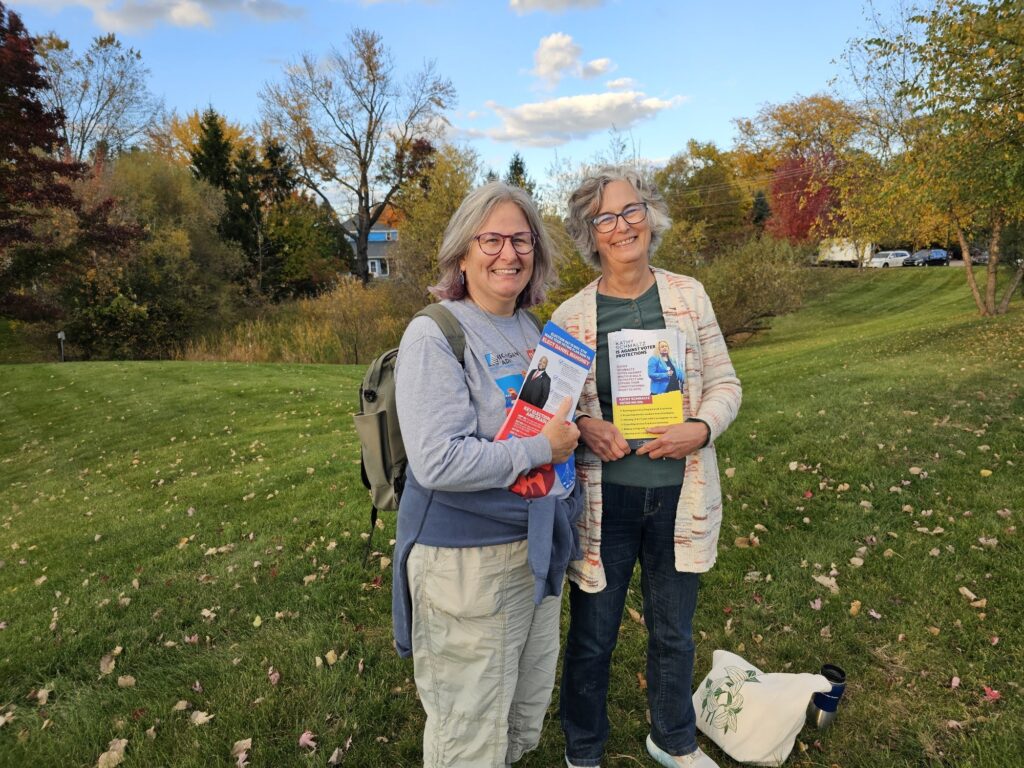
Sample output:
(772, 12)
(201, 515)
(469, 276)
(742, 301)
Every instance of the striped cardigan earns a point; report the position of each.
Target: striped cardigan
(713, 395)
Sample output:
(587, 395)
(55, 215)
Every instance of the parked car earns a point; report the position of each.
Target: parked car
(927, 257)
(889, 259)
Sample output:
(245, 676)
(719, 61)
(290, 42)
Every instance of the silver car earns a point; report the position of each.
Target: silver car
(888, 259)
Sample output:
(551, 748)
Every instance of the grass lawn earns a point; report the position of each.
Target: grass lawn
(185, 538)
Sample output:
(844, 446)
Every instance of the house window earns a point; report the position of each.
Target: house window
(383, 268)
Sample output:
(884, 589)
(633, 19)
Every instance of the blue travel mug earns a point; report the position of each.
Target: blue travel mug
(823, 706)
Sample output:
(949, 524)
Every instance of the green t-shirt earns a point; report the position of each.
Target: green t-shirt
(613, 315)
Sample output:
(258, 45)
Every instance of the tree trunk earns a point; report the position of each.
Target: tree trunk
(966, 251)
(993, 263)
(1004, 305)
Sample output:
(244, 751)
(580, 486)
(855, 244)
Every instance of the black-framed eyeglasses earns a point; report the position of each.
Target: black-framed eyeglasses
(631, 214)
(491, 243)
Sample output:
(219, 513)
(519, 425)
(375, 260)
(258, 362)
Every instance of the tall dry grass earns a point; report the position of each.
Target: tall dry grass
(350, 324)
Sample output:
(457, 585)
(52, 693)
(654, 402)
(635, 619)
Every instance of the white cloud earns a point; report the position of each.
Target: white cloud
(558, 121)
(123, 15)
(596, 68)
(621, 84)
(558, 56)
(552, 6)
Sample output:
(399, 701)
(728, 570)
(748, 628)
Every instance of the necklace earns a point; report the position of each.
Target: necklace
(515, 347)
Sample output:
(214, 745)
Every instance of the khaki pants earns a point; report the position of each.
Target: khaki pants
(484, 654)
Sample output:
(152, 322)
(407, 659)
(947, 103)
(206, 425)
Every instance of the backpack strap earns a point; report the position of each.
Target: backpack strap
(452, 329)
(449, 326)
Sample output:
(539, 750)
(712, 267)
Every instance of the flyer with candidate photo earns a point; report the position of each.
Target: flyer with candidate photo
(558, 369)
(648, 373)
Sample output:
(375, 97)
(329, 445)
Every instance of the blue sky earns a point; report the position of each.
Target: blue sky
(545, 77)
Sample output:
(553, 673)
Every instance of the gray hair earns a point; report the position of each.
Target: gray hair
(458, 236)
(586, 200)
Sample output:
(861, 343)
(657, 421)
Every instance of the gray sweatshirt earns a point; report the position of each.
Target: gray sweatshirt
(449, 416)
(456, 485)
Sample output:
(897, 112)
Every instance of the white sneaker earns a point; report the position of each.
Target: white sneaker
(696, 759)
(573, 765)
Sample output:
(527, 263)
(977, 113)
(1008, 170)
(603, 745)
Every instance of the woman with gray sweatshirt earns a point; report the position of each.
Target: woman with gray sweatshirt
(479, 569)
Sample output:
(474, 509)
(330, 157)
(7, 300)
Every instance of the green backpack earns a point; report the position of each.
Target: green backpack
(382, 451)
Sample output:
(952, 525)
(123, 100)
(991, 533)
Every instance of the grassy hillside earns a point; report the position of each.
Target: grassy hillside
(198, 526)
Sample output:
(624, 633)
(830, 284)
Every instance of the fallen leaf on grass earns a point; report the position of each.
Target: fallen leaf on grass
(114, 754)
(855, 607)
(385, 562)
(200, 718)
(107, 663)
(257, 622)
(180, 706)
(339, 752)
(635, 615)
(5, 718)
(240, 751)
(991, 694)
(955, 682)
(816, 604)
(856, 562)
(307, 741)
(986, 473)
(967, 593)
(827, 581)
(126, 681)
(874, 614)
(331, 658)
(730, 472)
(274, 676)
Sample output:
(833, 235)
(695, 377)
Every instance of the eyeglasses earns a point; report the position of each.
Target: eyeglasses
(491, 243)
(631, 214)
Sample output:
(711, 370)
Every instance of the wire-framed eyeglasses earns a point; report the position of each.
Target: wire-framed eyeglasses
(631, 214)
(491, 243)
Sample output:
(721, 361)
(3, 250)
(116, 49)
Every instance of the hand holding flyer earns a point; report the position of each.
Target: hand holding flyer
(558, 370)
(648, 381)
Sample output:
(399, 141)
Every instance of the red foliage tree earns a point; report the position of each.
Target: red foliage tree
(30, 176)
(802, 200)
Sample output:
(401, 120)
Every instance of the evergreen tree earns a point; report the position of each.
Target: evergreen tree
(211, 159)
(761, 211)
(517, 176)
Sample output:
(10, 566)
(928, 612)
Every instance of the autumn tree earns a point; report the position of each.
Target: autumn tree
(351, 126)
(426, 208)
(30, 177)
(973, 147)
(102, 94)
(176, 137)
(706, 197)
(306, 248)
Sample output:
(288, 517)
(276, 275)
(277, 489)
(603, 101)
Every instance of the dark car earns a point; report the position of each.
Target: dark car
(927, 257)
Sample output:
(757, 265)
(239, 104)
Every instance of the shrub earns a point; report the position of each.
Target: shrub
(350, 324)
(752, 283)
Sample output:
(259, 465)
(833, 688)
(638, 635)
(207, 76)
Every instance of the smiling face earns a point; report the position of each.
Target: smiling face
(627, 244)
(663, 348)
(495, 282)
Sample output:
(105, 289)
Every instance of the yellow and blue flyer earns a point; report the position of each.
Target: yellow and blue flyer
(648, 372)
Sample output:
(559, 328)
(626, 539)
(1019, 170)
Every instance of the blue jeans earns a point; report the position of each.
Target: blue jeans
(636, 524)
